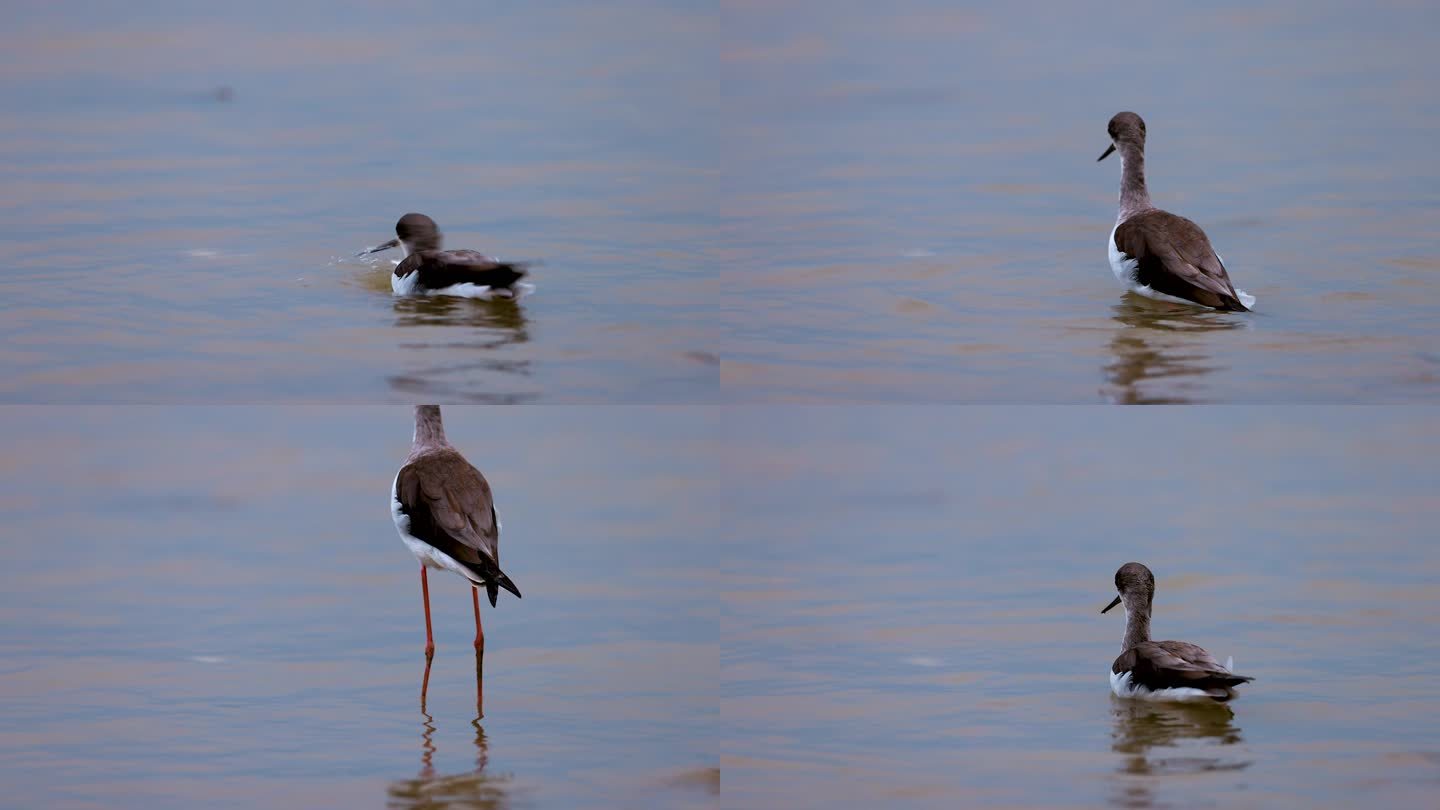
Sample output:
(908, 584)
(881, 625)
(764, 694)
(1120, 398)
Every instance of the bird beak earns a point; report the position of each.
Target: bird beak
(1107, 153)
(392, 243)
(1117, 599)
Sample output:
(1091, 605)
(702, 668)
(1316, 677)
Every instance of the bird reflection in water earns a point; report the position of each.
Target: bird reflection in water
(493, 328)
(1159, 740)
(1161, 345)
(472, 788)
(502, 314)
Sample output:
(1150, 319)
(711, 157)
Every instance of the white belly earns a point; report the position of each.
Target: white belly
(1121, 686)
(410, 285)
(469, 290)
(1123, 268)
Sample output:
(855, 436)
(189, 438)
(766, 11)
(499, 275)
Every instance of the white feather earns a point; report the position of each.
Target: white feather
(409, 284)
(1121, 686)
(406, 284)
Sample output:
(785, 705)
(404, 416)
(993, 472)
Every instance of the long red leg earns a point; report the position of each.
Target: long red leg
(425, 592)
(479, 655)
(479, 630)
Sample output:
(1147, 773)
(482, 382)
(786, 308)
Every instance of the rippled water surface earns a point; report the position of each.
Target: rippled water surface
(179, 181)
(780, 201)
(209, 607)
(912, 607)
(917, 212)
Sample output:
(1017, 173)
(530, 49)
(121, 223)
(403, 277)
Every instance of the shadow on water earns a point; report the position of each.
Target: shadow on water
(1158, 346)
(499, 324)
(1159, 740)
(469, 789)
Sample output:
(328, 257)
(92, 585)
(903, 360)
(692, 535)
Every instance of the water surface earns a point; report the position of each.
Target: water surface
(916, 211)
(210, 607)
(912, 607)
(180, 180)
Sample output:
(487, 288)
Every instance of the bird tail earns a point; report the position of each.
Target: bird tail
(1228, 680)
(1232, 303)
(515, 270)
(498, 581)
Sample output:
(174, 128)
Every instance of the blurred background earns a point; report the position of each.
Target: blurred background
(183, 185)
(918, 215)
(211, 607)
(912, 606)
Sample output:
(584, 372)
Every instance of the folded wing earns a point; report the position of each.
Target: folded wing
(1174, 665)
(450, 507)
(446, 268)
(1173, 256)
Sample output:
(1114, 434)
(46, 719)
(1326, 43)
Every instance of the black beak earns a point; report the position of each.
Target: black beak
(392, 243)
(1107, 153)
(1117, 599)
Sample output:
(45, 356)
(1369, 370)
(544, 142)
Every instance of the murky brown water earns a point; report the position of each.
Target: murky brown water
(912, 606)
(209, 607)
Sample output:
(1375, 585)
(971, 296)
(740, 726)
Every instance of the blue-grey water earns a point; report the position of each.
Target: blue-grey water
(912, 606)
(916, 210)
(181, 186)
(209, 607)
(773, 202)
(745, 204)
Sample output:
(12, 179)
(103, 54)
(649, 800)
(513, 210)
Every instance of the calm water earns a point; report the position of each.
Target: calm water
(916, 211)
(912, 607)
(209, 607)
(754, 202)
(165, 245)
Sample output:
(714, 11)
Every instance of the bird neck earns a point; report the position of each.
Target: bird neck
(1137, 627)
(1134, 196)
(429, 430)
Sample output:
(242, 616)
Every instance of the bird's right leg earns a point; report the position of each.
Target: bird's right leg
(425, 592)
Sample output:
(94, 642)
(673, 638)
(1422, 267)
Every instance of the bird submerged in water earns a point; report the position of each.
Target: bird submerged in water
(1155, 253)
(1161, 670)
(428, 270)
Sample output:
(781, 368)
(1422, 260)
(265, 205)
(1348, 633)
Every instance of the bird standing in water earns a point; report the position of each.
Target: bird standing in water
(443, 509)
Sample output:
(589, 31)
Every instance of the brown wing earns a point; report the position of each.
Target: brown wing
(443, 268)
(1175, 664)
(449, 506)
(1174, 257)
(1193, 654)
